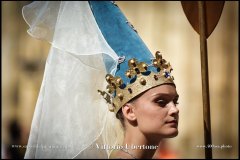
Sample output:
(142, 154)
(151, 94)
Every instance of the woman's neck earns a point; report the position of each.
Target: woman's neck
(140, 146)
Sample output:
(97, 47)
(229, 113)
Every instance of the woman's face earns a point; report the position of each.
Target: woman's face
(156, 111)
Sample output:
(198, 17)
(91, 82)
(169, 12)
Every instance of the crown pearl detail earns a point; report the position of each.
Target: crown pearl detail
(120, 96)
(142, 81)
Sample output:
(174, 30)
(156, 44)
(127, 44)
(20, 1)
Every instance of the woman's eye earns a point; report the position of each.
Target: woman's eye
(162, 103)
(176, 102)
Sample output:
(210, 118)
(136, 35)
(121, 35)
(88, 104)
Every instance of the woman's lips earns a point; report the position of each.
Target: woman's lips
(173, 123)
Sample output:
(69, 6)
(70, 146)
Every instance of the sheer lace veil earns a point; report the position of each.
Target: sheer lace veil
(71, 120)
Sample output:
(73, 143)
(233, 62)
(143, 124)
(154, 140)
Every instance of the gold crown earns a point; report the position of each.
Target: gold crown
(140, 84)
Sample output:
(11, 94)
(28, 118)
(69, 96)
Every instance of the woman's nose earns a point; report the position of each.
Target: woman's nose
(173, 108)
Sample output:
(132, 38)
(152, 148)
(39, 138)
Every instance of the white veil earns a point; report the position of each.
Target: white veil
(71, 120)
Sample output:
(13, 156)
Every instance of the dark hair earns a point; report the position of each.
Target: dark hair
(120, 116)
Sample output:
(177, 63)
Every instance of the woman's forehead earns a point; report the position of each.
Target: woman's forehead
(162, 89)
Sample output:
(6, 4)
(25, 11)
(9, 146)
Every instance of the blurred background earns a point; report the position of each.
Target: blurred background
(163, 26)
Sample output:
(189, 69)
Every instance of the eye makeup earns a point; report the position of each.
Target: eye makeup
(163, 99)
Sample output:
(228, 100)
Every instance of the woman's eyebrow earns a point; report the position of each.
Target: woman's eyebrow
(164, 94)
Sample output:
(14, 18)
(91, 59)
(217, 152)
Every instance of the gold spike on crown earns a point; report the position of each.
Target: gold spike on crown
(141, 84)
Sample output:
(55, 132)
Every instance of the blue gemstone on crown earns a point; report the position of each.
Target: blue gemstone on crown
(167, 74)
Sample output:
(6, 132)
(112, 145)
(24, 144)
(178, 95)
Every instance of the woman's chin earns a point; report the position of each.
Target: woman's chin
(173, 132)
